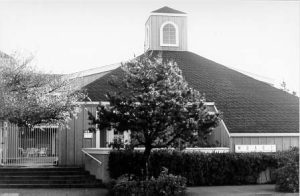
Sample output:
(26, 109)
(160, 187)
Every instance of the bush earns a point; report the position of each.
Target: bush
(164, 185)
(125, 162)
(287, 176)
(284, 157)
(199, 168)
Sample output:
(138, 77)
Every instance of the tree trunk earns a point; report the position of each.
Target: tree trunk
(147, 153)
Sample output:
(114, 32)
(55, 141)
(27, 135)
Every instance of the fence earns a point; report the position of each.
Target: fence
(28, 147)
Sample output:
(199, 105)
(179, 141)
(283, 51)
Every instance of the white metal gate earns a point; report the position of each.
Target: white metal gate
(28, 147)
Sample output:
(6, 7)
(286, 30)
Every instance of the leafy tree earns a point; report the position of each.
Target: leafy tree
(284, 86)
(155, 103)
(29, 97)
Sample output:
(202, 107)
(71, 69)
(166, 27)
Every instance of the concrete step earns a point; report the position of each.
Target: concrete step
(48, 177)
(67, 181)
(42, 173)
(49, 168)
(83, 185)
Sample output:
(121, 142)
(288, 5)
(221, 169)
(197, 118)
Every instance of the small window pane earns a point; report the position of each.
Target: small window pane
(169, 34)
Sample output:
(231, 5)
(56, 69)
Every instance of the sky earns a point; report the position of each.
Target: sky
(67, 36)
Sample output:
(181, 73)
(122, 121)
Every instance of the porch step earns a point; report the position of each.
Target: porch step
(50, 186)
(48, 177)
(39, 173)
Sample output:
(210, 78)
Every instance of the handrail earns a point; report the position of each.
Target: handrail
(85, 152)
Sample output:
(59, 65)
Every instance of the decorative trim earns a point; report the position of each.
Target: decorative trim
(229, 135)
(107, 103)
(222, 121)
(93, 102)
(214, 148)
(46, 126)
(176, 34)
(102, 69)
(166, 14)
(264, 134)
(88, 102)
(147, 38)
(208, 150)
(97, 150)
(104, 102)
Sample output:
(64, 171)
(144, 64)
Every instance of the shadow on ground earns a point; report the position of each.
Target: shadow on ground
(249, 190)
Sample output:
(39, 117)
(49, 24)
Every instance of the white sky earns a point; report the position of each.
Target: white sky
(260, 37)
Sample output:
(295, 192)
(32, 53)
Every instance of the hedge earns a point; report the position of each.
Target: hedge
(199, 168)
(164, 185)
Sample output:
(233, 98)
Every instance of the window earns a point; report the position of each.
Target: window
(169, 34)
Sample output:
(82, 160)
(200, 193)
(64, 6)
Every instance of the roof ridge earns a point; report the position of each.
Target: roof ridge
(167, 10)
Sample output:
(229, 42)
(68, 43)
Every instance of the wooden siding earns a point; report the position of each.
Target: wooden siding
(281, 142)
(155, 23)
(220, 135)
(147, 45)
(71, 139)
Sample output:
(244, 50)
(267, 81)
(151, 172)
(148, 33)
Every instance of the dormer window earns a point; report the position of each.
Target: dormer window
(169, 34)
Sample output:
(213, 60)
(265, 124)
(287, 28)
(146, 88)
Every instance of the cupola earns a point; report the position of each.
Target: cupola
(166, 29)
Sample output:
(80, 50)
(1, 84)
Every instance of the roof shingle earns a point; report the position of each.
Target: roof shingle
(248, 105)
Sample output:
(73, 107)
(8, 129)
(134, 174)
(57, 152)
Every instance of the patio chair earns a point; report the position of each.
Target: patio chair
(22, 152)
(32, 152)
(43, 152)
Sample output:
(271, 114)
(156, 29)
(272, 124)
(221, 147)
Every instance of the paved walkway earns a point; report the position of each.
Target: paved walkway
(253, 190)
(248, 190)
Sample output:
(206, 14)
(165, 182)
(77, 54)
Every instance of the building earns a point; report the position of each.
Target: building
(255, 114)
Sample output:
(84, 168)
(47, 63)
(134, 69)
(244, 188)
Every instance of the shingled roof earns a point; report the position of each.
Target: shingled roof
(167, 10)
(248, 105)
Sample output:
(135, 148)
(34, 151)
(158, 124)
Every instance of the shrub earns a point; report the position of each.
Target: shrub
(164, 185)
(287, 176)
(284, 157)
(125, 162)
(198, 168)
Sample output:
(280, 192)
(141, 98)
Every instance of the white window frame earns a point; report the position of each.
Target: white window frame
(161, 33)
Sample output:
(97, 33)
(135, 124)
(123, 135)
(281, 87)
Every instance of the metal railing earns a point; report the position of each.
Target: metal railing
(91, 156)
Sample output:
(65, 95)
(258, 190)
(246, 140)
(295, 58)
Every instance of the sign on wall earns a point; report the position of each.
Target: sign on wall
(255, 148)
(208, 150)
(87, 135)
